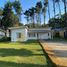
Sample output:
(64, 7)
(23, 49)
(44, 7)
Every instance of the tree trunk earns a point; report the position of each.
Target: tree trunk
(48, 10)
(65, 16)
(54, 7)
(65, 11)
(44, 18)
(59, 10)
(33, 21)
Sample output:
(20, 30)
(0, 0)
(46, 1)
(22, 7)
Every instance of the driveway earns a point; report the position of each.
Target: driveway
(57, 51)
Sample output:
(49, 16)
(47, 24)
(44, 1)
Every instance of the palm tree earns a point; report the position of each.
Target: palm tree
(54, 7)
(27, 14)
(32, 14)
(64, 1)
(46, 4)
(58, 2)
(48, 10)
(44, 13)
(38, 12)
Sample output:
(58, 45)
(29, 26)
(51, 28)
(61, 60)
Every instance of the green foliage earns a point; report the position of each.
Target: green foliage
(9, 17)
(5, 39)
(58, 22)
(17, 7)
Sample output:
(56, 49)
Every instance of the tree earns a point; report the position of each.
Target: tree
(48, 9)
(17, 7)
(27, 14)
(54, 7)
(9, 17)
(64, 1)
(46, 4)
(1, 11)
(57, 22)
(58, 2)
(32, 15)
(38, 12)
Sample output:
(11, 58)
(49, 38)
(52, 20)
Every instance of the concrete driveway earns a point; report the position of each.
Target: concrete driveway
(57, 51)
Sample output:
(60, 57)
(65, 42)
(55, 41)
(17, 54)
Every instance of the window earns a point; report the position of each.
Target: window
(31, 34)
(19, 35)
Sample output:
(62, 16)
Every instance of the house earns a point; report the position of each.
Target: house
(39, 33)
(24, 33)
(59, 32)
(18, 33)
(2, 33)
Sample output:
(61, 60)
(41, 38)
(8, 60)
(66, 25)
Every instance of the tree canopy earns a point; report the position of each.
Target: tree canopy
(11, 18)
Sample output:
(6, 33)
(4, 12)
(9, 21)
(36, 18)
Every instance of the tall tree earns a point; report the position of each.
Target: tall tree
(46, 5)
(1, 11)
(64, 1)
(32, 15)
(9, 17)
(38, 12)
(48, 9)
(27, 14)
(17, 7)
(58, 2)
(54, 7)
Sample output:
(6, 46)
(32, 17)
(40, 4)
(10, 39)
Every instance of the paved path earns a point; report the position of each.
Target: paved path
(57, 51)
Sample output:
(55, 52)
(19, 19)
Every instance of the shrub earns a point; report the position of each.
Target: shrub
(5, 39)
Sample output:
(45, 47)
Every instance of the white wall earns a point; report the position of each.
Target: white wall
(25, 32)
(14, 34)
(41, 36)
(33, 38)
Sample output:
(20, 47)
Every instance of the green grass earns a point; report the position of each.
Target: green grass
(28, 54)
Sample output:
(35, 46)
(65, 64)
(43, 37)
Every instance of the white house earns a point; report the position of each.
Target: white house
(24, 33)
(18, 33)
(39, 33)
(2, 33)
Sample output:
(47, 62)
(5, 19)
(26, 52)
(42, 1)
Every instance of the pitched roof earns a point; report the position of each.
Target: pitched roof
(20, 27)
(40, 30)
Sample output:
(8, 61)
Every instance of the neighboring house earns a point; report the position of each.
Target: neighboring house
(2, 33)
(59, 32)
(24, 33)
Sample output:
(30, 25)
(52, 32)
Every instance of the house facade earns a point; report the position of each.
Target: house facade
(24, 33)
(39, 33)
(59, 32)
(18, 34)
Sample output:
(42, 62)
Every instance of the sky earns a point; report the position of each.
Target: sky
(26, 4)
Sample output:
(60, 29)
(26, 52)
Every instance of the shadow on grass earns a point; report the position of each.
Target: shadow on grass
(30, 41)
(24, 53)
(17, 52)
(13, 64)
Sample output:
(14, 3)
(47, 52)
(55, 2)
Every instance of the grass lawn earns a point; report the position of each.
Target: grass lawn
(27, 54)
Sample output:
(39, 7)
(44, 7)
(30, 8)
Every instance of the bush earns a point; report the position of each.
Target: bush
(5, 39)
